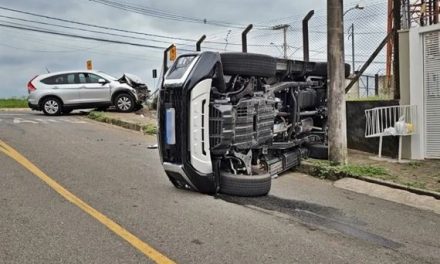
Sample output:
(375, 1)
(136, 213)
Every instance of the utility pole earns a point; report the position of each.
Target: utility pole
(285, 41)
(356, 7)
(284, 27)
(396, 63)
(337, 124)
(353, 65)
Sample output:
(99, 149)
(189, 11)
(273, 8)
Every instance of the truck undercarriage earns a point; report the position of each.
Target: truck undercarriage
(230, 122)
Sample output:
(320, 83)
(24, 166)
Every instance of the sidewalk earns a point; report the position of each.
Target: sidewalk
(424, 174)
(413, 176)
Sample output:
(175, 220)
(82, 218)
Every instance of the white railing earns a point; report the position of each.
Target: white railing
(399, 120)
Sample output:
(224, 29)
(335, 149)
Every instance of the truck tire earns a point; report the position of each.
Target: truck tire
(248, 64)
(244, 185)
(320, 69)
(318, 151)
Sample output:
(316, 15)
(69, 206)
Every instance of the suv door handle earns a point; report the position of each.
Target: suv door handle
(55, 88)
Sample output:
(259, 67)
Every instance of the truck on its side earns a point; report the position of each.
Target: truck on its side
(229, 122)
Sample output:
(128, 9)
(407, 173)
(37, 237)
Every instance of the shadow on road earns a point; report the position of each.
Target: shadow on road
(313, 215)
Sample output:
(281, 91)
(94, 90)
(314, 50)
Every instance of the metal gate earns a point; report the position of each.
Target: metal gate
(432, 94)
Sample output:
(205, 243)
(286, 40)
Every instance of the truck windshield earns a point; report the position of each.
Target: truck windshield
(180, 67)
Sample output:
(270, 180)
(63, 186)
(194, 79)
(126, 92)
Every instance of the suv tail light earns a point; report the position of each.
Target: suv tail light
(30, 86)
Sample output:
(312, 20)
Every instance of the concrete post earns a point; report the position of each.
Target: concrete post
(337, 131)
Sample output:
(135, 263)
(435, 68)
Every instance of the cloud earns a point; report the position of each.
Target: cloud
(25, 54)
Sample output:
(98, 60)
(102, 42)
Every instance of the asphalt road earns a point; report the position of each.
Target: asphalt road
(303, 220)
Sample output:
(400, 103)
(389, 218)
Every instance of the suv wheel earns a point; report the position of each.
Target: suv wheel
(52, 106)
(124, 103)
(244, 185)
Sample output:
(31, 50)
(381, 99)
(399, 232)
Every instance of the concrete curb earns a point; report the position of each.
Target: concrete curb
(311, 169)
(120, 123)
(15, 109)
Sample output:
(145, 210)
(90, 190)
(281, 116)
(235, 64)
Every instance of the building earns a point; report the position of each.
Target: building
(419, 55)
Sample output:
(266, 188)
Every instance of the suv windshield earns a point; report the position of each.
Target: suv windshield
(106, 76)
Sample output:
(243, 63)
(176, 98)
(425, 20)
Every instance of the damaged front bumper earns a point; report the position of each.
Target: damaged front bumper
(142, 92)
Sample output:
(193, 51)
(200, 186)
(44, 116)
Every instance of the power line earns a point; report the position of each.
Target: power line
(217, 45)
(118, 35)
(48, 51)
(43, 30)
(143, 10)
(86, 30)
(131, 56)
(84, 37)
(94, 26)
(108, 28)
(105, 48)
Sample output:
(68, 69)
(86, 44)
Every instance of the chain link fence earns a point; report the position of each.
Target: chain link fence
(365, 27)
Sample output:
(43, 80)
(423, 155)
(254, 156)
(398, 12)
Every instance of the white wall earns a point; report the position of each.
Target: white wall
(417, 88)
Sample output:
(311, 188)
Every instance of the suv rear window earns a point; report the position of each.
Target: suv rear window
(60, 79)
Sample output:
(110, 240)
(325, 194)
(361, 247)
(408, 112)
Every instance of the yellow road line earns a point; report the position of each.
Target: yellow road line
(117, 229)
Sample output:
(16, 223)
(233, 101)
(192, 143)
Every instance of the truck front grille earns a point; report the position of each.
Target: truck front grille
(172, 98)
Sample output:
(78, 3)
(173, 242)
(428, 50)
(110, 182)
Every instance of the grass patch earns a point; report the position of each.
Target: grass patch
(150, 129)
(98, 116)
(13, 103)
(324, 169)
(419, 185)
(370, 98)
(414, 164)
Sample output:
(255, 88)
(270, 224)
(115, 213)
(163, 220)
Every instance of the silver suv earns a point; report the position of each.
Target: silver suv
(61, 92)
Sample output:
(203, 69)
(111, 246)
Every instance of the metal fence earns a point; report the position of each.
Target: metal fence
(400, 120)
(364, 26)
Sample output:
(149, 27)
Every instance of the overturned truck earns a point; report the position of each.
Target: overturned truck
(229, 122)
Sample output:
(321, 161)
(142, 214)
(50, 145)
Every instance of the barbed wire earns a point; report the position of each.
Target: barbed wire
(368, 24)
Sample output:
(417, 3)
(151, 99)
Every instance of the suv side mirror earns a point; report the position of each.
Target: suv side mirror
(102, 81)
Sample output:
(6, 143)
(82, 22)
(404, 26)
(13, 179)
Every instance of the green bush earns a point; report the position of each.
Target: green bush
(98, 116)
(150, 129)
(13, 103)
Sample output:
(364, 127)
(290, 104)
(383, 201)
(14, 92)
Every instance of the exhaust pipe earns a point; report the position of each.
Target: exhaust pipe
(244, 38)
(305, 29)
(199, 43)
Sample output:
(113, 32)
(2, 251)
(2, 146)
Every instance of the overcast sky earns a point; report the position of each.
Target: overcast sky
(26, 54)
